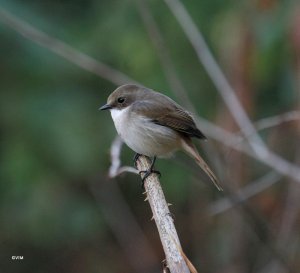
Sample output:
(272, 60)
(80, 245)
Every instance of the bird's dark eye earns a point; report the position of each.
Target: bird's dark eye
(121, 100)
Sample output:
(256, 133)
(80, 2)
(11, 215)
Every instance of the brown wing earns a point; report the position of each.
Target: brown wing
(165, 112)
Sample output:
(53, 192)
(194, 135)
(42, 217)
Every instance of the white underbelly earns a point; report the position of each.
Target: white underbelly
(143, 136)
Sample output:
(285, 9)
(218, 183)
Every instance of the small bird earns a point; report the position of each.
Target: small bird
(154, 125)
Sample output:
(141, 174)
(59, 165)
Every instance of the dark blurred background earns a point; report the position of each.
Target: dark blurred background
(58, 208)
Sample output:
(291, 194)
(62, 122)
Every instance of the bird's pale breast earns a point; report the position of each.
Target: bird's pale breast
(143, 136)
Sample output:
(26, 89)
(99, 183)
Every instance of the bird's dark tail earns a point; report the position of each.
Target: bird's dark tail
(191, 150)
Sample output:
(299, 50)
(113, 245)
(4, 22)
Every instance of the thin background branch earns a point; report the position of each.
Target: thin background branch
(158, 41)
(64, 50)
(116, 168)
(216, 75)
(245, 193)
(266, 123)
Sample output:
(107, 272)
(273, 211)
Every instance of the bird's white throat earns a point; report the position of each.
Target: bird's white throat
(120, 118)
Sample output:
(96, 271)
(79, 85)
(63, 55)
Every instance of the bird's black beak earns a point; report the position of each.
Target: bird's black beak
(105, 107)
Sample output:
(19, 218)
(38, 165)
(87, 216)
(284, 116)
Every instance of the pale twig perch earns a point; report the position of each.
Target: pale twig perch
(163, 219)
(176, 260)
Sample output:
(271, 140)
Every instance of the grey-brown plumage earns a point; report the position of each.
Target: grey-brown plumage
(152, 124)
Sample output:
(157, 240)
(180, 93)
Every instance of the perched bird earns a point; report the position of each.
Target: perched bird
(154, 125)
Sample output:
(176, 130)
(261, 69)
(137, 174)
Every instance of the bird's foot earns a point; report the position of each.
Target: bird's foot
(172, 215)
(135, 158)
(146, 174)
(148, 171)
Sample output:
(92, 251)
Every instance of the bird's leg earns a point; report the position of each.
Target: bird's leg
(135, 158)
(149, 171)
